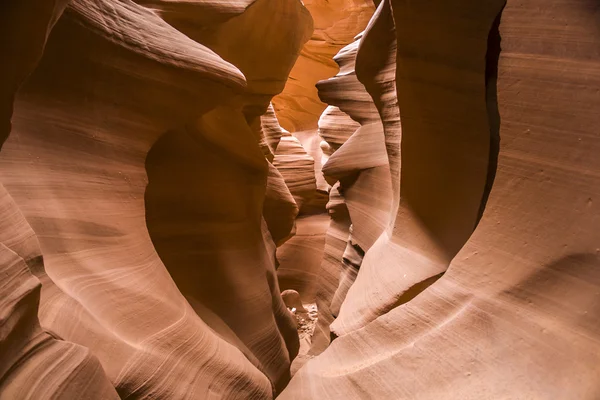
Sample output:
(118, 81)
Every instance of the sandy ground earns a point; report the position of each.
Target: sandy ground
(306, 326)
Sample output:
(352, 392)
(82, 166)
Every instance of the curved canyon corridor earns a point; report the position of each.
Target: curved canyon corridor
(328, 199)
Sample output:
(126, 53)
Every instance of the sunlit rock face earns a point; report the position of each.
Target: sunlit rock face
(426, 173)
(335, 25)
(359, 172)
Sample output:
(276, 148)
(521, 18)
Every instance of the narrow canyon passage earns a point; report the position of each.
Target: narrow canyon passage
(318, 199)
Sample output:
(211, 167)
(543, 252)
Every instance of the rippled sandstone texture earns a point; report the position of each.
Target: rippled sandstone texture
(514, 313)
(122, 118)
(146, 182)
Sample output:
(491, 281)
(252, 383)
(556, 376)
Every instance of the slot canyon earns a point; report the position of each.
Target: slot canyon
(318, 199)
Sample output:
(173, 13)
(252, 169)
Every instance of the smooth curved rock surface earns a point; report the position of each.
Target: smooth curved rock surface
(26, 26)
(335, 127)
(297, 168)
(300, 257)
(36, 364)
(512, 316)
(359, 162)
(279, 207)
(443, 174)
(148, 194)
(109, 101)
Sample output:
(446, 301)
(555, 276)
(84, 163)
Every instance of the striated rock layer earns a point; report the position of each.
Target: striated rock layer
(117, 138)
(34, 363)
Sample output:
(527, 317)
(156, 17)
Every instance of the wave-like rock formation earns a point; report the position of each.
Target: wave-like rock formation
(34, 362)
(426, 172)
(358, 169)
(297, 168)
(298, 110)
(134, 156)
(513, 314)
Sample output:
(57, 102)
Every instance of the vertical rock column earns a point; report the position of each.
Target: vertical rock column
(363, 193)
(443, 176)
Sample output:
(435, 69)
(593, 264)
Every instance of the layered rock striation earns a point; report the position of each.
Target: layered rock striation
(425, 172)
(483, 283)
(135, 158)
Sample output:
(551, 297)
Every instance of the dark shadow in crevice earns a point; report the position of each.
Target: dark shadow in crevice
(491, 86)
(416, 289)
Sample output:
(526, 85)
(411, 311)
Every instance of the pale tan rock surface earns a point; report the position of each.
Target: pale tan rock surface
(445, 175)
(335, 127)
(36, 364)
(292, 301)
(297, 168)
(271, 132)
(311, 142)
(331, 268)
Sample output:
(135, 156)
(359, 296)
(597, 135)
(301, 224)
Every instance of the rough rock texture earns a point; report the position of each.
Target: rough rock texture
(514, 316)
(306, 318)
